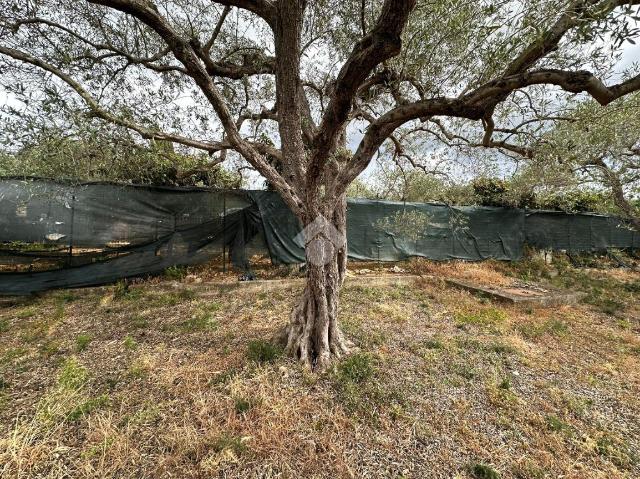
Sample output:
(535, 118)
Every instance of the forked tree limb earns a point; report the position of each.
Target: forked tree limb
(381, 43)
(474, 106)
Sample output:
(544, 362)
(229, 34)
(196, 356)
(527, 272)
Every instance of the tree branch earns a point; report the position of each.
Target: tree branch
(380, 44)
(265, 9)
(216, 31)
(185, 52)
(100, 112)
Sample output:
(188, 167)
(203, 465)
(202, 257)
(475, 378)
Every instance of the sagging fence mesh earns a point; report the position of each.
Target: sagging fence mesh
(55, 235)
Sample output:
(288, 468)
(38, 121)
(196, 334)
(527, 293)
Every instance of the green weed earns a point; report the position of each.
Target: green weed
(176, 273)
(263, 352)
(130, 343)
(483, 471)
(82, 342)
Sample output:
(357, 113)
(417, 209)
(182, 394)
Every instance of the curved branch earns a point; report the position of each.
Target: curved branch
(184, 51)
(265, 9)
(100, 112)
(380, 44)
(474, 106)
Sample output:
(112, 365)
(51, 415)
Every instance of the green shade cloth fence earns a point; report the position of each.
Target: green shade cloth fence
(96, 233)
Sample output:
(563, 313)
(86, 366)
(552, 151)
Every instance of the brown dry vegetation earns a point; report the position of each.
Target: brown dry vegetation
(163, 380)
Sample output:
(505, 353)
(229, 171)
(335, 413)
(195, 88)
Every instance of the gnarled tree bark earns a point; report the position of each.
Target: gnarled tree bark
(313, 335)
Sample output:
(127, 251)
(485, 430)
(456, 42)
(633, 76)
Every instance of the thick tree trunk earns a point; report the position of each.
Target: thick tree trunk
(313, 335)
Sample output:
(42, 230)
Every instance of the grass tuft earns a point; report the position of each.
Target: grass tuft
(130, 343)
(242, 406)
(82, 342)
(72, 375)
(483, 471)
(263, 352)
(357, 368)
(176, 273)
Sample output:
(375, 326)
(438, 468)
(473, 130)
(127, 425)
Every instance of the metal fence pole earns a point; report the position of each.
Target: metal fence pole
(73, 214)
(224, 231)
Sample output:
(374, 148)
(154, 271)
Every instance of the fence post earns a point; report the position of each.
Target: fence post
(73, 213)
(224, 231)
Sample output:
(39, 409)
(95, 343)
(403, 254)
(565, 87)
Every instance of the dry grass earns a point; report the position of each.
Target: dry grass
(163, 381)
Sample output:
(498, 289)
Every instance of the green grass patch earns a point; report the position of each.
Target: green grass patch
(123, 292)
(230, 442)
(175, 273)
(202, 320)
(617, 451)
(26, 313)
(243, 406)
(505, 384)
(65, 297)
(49, 348)
(555, 327)
(363, 391)
(357, 368)
(173, 298)
(433, 343)
(263, 352)
(483, 471)
(138, 322)
(555, 424)
(11, 354)
(129, 343)
(501, 348)
(72, 374)
(366, 338)
(87, 407)
(82, 342)
(483, 317)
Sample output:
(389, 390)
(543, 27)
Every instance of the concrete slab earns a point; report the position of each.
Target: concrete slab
(521, 293)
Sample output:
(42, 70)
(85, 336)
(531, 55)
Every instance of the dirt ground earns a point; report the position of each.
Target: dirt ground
(176, 378)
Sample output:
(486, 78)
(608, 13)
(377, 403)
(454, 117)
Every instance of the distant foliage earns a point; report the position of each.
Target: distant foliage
(492, 192)
(497, 192)
(90, 155)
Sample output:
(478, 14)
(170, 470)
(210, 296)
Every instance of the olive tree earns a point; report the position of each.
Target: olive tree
(307, 93)
(599, 147)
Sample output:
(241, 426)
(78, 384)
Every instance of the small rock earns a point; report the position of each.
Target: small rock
(396, 269)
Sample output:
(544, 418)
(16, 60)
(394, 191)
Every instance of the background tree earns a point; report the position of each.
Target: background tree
(601, 148)
(332, 84)
(102, 153)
